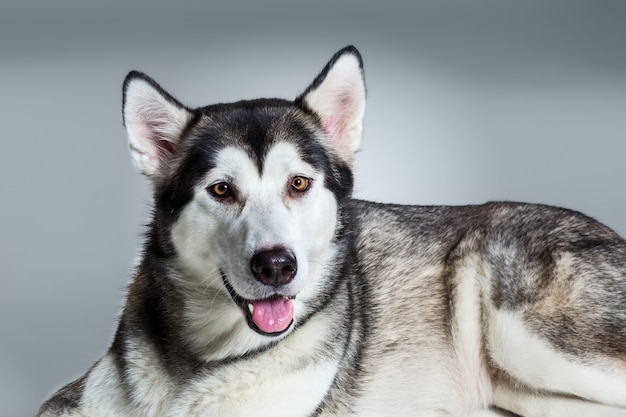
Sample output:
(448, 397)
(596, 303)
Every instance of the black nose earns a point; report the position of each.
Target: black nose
(274, 267)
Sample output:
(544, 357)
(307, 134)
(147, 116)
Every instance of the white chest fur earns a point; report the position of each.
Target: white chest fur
(259, 388)
(290, 379)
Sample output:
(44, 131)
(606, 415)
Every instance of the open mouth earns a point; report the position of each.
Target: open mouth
(269, 316)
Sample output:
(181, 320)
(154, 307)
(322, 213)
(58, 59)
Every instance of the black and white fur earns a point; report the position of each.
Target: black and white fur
(264, 289)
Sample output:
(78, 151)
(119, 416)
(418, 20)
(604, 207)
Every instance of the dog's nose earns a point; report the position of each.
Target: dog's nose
(274, 267)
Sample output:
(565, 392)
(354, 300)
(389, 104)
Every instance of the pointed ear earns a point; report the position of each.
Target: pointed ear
(154, 122)
(337, 97)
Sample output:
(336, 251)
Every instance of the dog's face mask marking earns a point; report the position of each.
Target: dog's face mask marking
(264, 232)
(250, 190)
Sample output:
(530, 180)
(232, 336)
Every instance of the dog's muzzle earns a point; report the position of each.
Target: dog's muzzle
(273, 315)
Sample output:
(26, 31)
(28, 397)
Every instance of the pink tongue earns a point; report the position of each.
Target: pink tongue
(272, 315)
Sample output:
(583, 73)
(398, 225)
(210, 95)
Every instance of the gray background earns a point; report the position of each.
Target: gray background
(468, 101)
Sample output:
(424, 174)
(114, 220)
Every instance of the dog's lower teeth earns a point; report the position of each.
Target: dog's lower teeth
(251, 308)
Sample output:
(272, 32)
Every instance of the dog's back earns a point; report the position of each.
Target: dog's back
(517, 305)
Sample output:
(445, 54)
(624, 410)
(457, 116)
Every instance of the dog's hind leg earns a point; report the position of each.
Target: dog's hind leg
(526, 358)
(555, 322)
(535, 404)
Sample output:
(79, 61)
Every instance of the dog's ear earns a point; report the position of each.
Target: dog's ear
(154, 122)
(337, 97)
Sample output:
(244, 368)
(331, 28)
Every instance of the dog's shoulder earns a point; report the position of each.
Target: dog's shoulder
(66, 401)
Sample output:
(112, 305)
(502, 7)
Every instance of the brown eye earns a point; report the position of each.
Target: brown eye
(220, 190)
(300, 184)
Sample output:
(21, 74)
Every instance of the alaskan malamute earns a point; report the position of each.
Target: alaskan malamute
(265, 289)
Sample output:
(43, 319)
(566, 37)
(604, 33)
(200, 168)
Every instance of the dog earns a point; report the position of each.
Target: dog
(264, 288)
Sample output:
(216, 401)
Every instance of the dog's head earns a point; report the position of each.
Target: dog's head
(248, 197)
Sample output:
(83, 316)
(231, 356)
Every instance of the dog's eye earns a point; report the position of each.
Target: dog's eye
(220, 190)
(300, 184)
